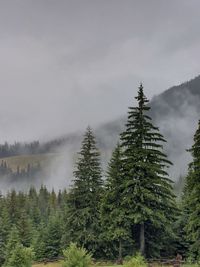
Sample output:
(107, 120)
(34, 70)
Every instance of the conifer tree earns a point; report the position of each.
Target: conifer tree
(20, 257)
(25, 229)
(83, 215)
(191, 199)
(39, 242)
(5, 225)
(148, 194)
(53, 201)
(112, 212)
(33, 207)
(52, 238)
(43, 203)
(13, 207)
(13, 241)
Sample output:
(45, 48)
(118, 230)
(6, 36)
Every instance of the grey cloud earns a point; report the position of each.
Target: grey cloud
(67, 64)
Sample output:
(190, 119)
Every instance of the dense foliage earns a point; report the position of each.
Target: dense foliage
(84, 199)
(115, 228)
(137, 261)
(31, 220)
(191, 200)
(147, 191)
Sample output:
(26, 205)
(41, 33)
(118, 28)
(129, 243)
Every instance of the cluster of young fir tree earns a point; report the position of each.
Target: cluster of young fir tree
(33, 220)
(132, 209)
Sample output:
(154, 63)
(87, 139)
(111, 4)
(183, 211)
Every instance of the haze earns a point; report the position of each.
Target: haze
(67, 64)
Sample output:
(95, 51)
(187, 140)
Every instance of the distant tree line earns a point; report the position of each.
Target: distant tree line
(133, 209)
(35, 147)
(8, 150)
(31, 171)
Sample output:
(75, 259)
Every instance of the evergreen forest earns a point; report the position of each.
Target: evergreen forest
(131, 207)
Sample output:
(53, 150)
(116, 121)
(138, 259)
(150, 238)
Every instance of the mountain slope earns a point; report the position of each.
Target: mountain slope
(176, 112)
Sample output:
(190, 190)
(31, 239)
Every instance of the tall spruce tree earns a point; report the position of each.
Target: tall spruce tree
(191, 199)
(83, 215)
(148, 195)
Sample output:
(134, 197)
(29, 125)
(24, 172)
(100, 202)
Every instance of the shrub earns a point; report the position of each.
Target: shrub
(136, 261)
(76, 257)
(20, 257)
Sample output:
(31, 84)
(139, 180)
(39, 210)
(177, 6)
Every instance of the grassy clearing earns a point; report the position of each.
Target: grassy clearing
(60, 265)
(57, 264)
(24, 160)
(48, 265)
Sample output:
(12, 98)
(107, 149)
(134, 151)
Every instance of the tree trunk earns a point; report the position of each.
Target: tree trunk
(120, 261)
(142, 239)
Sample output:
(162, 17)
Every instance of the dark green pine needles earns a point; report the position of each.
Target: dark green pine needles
(147, 191)
(83, 215)
(191, 200)
(115, 227)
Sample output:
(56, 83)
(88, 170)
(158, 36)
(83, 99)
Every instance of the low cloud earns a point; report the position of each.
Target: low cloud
(67, 64)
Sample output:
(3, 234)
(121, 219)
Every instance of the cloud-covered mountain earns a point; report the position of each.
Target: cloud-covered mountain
(176, 112)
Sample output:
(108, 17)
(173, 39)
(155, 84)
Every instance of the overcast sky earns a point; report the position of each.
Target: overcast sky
(66, 64)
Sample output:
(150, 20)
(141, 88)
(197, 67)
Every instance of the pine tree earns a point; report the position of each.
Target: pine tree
(74, 256)
(5, 225)
(148, 194)
(83, 215)
(181, 243)
(53, 200)
(112, 211)
(39, 242)
(13, 207)
(20, 257)
(52, 238)
(43, 203)
(191, 199)
(13, 241)
(25, 229)
(33, 207)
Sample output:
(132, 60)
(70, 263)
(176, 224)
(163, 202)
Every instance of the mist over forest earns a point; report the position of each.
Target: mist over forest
(175, 112)
(60, 73)
(99, 133)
